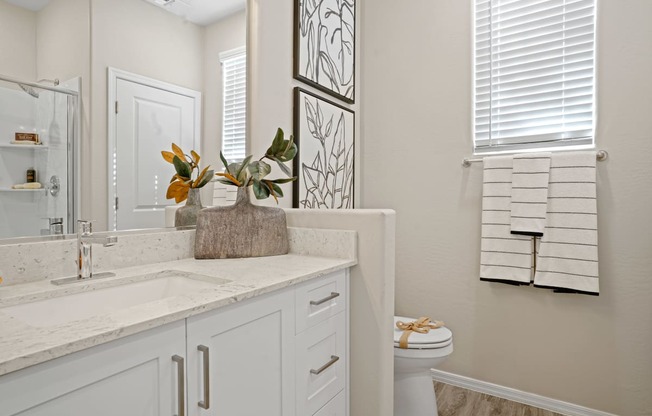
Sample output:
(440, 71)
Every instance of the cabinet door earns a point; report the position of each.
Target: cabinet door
(250, 350)
(131, 376)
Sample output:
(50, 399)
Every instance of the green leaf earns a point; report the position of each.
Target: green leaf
(182, 167)
(277, 143)
(261, 190)
(283, 167)
(284, 180)
(226, 182)
(277, 189)
(224, 162)
(208, 176)
(241, 168)
(259, 169)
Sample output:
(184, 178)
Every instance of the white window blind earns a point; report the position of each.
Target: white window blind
(234, 77)
(534, 73)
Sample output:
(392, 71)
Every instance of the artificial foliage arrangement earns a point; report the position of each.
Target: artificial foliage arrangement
(247, 173)
(185, 165)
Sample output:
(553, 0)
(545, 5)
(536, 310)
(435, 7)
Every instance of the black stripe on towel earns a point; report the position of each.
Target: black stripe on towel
(507, 282)
(506, 252)
(566, 258)
(503, 265)
(568, 274)
(556, 289)
(530, 173)
(530, 233)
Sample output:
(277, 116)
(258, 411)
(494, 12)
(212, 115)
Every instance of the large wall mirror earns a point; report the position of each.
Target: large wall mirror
(106, 85)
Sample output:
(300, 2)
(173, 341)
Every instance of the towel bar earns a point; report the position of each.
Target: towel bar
(600, 155)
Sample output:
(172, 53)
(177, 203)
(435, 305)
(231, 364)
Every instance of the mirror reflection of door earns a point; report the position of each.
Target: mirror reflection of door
(150, 116)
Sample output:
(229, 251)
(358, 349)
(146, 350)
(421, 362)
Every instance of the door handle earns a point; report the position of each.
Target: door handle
(181, 377)
(332, 296)
(206, 403)
(334, 359)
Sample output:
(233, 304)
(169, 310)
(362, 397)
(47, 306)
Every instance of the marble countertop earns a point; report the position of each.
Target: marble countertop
(23, 345)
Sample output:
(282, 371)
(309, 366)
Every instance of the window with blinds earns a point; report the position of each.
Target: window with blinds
(234, 78)
(534, 74)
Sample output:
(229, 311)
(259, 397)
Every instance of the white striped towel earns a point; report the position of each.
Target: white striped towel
(568, 254)
(504, 257)
(530, 193)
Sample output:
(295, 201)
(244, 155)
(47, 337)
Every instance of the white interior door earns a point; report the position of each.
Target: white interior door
(148, 119)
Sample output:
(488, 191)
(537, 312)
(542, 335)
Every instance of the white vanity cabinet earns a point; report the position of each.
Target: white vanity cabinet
(238, 359)
(131, 376)
(279, 354)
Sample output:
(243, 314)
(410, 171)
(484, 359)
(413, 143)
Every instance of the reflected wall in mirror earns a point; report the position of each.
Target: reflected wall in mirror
(178, 44)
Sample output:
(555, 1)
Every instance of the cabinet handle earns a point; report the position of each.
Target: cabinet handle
(332, 296)
(181, 377)
(206, 403)
(334, 359)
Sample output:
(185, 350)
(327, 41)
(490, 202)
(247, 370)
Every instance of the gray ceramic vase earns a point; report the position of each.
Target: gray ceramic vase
(241, 230)
(187, 214)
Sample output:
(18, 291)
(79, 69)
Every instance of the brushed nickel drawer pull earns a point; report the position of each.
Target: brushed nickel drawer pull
(334, 359)
(332, 296)
(181, 377)
(206, 403)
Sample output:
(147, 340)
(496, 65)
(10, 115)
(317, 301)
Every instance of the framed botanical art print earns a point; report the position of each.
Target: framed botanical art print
(324, 133)
(324, 46)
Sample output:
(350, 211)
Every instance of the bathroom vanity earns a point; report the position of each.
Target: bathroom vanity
(186, 337)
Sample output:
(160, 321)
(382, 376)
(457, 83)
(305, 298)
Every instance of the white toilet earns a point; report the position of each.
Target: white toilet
(413, 389)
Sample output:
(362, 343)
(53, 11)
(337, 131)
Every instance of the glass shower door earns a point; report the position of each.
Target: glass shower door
(37, 127)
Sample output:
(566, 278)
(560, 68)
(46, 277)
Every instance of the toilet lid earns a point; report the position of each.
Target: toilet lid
(435, 338)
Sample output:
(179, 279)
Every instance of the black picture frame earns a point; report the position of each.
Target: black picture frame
(328, 69)
(325, 160)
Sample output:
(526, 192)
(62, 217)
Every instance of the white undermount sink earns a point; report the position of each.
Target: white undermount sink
(73, 307)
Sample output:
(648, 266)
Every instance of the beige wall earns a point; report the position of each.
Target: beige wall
(271, 84)
(416, 116)
(372, 303)
(17, 42)
(227, 34)
(137, 37)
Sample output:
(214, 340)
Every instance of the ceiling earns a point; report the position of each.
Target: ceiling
(34, 5)
(201, 12)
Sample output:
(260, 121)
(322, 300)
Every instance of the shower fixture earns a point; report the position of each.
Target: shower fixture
(31, 91)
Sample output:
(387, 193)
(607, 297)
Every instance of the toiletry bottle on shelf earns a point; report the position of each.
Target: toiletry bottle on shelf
(31, 175)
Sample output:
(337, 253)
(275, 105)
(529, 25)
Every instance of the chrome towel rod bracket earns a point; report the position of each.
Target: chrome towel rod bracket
(600, 155)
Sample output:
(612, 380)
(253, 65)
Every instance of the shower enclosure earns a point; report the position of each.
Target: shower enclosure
(38, 181)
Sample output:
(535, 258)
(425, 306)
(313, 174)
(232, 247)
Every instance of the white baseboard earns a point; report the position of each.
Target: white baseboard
(530, 399)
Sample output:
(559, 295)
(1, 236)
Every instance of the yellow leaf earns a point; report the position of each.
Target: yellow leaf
(177, 190)
(195, 157)
(177, 151)
(230, 177)
(168, 156)
(200, 176)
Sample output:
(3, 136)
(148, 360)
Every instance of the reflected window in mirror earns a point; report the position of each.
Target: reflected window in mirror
(234, 78)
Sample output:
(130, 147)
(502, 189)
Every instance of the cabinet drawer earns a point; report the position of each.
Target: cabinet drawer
(336, 407)
(320, 300)
(320, 364)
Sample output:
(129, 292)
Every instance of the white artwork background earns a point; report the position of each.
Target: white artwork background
(326, 44)
(326, 154)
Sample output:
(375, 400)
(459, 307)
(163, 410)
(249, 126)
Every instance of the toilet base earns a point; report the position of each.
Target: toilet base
(414, 395)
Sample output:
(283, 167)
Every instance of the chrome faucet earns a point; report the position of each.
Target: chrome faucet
(85, 241)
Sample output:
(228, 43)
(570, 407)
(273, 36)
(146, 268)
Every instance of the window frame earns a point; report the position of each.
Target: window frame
(524, 145)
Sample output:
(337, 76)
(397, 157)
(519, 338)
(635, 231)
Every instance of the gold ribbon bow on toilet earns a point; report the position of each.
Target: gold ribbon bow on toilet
(422, 325)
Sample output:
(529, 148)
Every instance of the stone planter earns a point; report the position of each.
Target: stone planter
(241, 230)
(187, 214)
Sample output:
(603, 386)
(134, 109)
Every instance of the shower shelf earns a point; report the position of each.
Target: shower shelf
(23, 146)
(21, 190)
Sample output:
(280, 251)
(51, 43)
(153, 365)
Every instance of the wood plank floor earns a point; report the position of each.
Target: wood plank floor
(456, 401)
